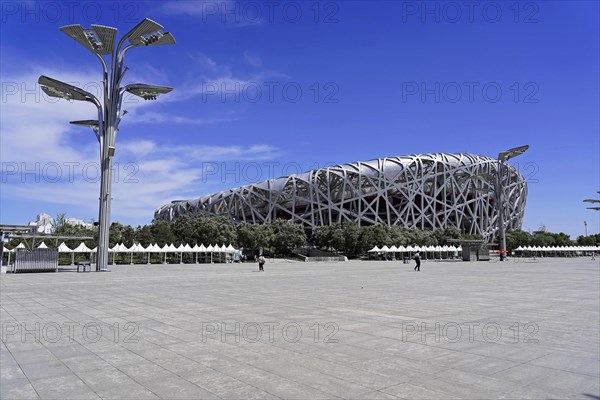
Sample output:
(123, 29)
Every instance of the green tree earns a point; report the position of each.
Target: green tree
(516, 238)
(321, 236)
(423, 238)
(374, 235)
(128, 235)
(469, 236)
(287, 236)
(161, 233)
(337, 240)
(590, 240)
(246, 236)
(115, 234)
(59, 221)
(342, 237)
(352, 245)
(399, 236)
(143, 235)
(265, 235)
(542, 238)
(254, 236)
(562, 239)
(217, 230)
(442, 235)
(183, 230)
(77, 230)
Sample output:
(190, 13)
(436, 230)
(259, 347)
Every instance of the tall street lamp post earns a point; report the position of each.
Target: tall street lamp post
(498, 190)
(502, 158)
(100, 40)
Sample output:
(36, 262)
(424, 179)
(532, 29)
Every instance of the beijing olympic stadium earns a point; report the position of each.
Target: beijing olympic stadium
(424, 191)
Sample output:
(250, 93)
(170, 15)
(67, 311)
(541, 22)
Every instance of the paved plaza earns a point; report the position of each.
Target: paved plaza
(358, 330)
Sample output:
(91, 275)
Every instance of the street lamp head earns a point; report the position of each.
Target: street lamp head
(55, 88)
(107, 36)
(148, 33)
(98, 39)
(510, 153)
(145, 27)
(147, 92)
(91, 123)
(591, 201)
(153, 39)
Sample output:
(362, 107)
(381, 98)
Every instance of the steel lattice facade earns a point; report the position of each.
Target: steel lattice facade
(424, 191)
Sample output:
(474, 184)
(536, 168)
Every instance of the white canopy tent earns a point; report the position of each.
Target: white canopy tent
(558, 251)
(225, 252)
(422, 249)
(82, 248)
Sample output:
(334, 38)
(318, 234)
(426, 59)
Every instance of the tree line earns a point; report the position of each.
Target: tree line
(282, 237)
(518, 238)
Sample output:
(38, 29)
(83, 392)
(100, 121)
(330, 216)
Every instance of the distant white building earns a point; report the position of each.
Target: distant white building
(78, 222)
(43, 224)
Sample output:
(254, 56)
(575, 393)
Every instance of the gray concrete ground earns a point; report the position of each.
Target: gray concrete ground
(359, 330)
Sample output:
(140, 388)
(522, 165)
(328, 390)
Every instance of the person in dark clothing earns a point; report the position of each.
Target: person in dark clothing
(261, 263)
(417, 258)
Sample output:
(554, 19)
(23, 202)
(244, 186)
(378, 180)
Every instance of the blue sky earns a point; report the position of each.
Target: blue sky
(264, 89)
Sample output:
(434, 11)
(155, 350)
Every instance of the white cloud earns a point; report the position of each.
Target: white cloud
(158, 117)
(212, 79)
(139, 148)
(37, 137)
(224, 153)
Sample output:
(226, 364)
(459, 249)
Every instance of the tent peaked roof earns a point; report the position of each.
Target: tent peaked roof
(63, 248)
(82, 248)
(155, 248)
(137, 248)
(170, 248)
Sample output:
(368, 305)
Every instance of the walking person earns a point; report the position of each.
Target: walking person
(417, 258)
(261, 263)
